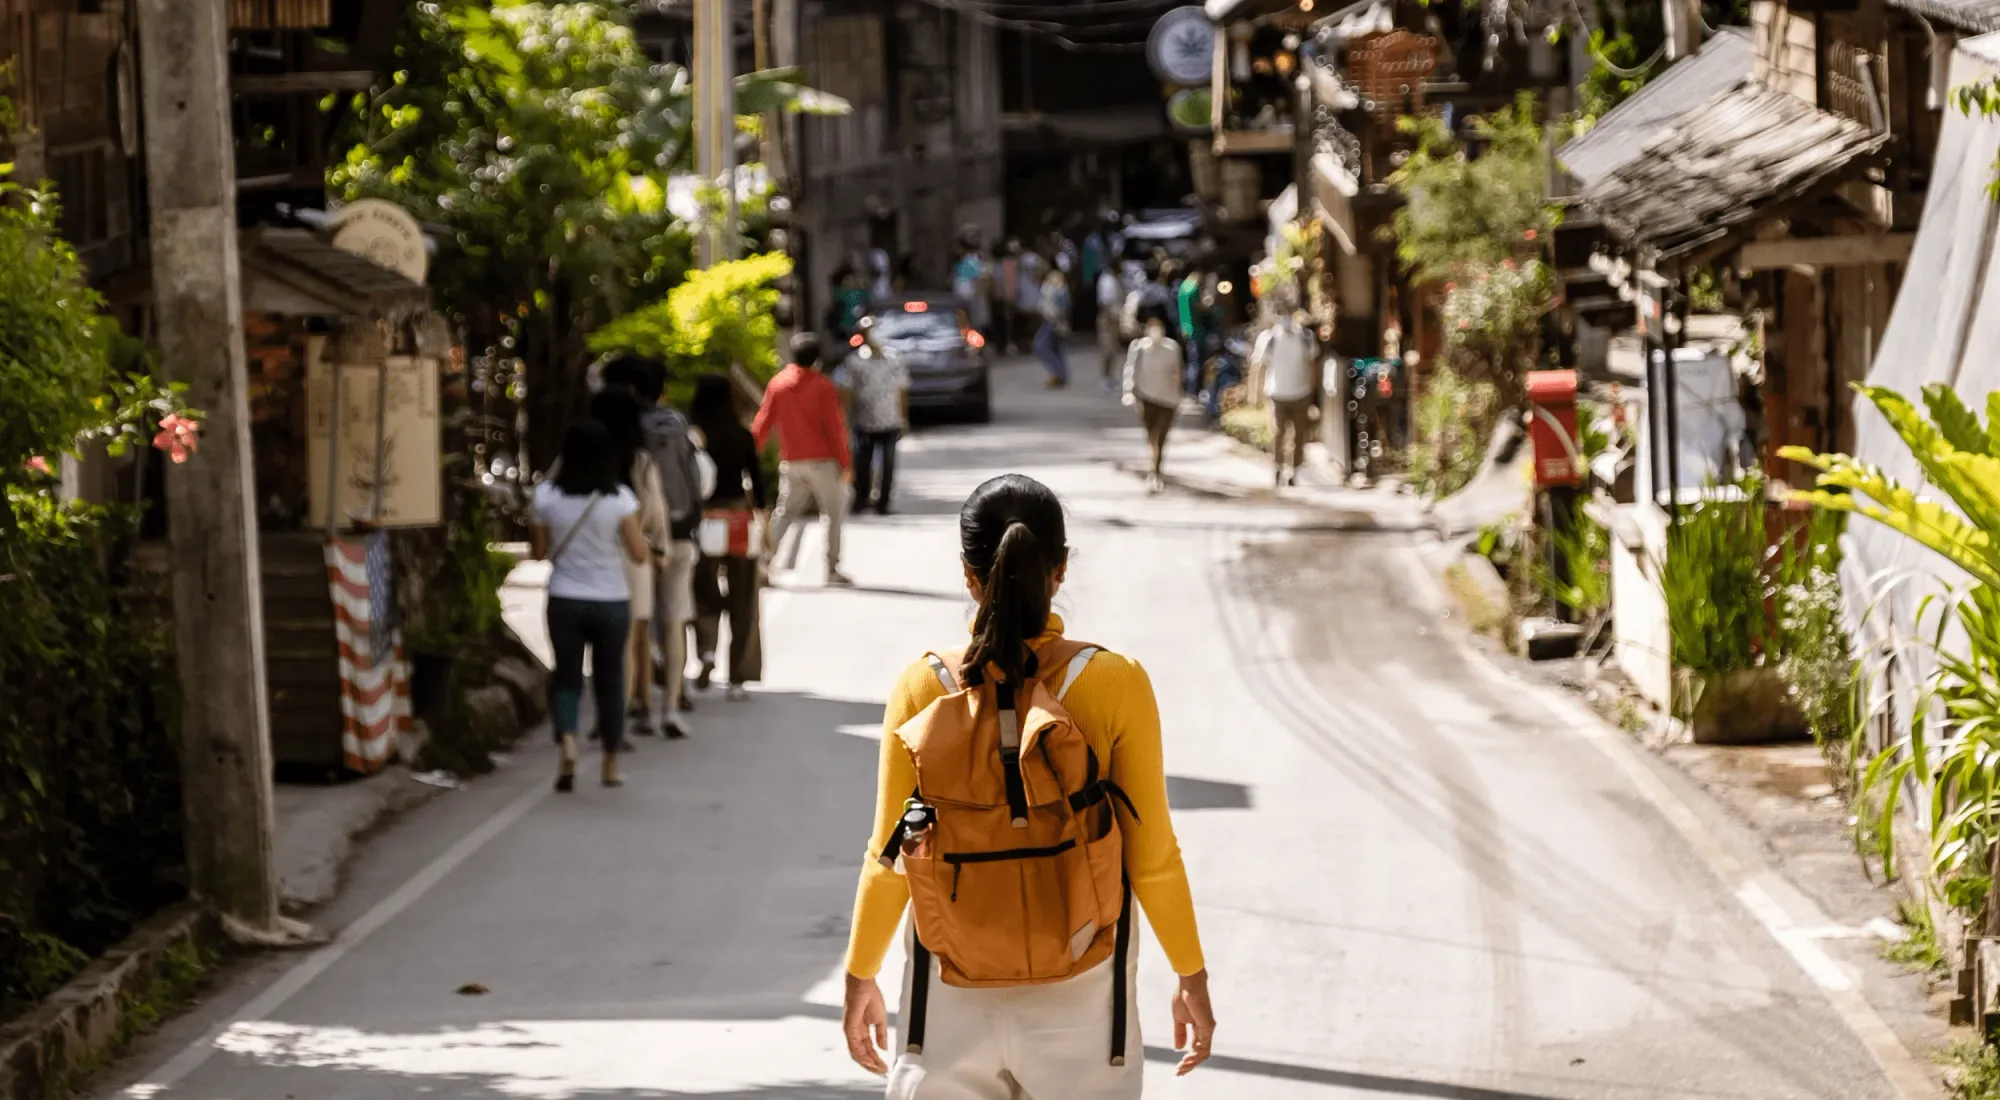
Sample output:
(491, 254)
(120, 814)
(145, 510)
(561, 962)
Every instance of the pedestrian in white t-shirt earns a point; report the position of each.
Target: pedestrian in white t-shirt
(1285, 355)
(587, 527)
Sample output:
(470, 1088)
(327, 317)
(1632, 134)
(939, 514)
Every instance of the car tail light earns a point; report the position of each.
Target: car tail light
(973, 339)
(855, 340)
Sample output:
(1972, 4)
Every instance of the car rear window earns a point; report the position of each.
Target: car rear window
(898, 325)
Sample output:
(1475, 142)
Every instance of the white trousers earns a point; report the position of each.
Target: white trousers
(1034, 1042)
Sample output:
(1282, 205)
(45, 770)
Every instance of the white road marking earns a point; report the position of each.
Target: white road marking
(312, 966)
(1796, 924)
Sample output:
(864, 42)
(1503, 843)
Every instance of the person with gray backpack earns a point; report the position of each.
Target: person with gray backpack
(678, 460)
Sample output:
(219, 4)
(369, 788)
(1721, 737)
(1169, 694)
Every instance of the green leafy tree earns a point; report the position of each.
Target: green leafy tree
(716, 318)
(541, 137)
(1477, 205)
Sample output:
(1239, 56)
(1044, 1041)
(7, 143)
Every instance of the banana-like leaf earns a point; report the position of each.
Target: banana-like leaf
(769, 90)
(1959, 425)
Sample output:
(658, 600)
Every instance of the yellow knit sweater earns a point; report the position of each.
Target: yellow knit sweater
(1113, 704)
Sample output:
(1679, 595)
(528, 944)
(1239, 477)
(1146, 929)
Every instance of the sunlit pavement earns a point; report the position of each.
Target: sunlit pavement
(1413, 881)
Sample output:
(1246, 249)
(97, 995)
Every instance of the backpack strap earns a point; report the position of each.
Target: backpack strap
(1075, 669)
(1010, 752)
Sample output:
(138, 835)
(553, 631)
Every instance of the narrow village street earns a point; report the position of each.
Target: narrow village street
(1413, 878)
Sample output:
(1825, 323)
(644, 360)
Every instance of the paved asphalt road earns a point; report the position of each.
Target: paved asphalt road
(1412, 880)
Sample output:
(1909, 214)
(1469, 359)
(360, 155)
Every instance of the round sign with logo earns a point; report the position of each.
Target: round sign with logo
(1181, 48)
(385, 234)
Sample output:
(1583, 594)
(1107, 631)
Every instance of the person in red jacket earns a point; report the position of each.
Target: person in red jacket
(802, 406)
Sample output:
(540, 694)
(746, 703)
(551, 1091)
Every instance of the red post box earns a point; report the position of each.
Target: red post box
(1552, 427)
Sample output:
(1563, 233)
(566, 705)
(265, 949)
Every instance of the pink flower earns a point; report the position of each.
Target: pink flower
(1449, 287)
(1463, 325)
(1508, 264)
(1530, 235)
(177, 437)
(39, 465)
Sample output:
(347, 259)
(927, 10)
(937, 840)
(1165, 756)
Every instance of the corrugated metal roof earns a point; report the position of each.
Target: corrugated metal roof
(1965, 15)
(1724, 163)
(1231, 11)
(1722, 63)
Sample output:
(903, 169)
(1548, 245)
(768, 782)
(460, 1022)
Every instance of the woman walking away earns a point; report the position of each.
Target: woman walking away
(733, 518)
(1020, 852)
(587, 527)
(1153, 382)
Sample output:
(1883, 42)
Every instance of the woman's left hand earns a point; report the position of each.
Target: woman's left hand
(1192, 1013)
(865, 1022)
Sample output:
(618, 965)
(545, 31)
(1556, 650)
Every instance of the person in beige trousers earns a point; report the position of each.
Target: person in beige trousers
(816, 462)
(1285, 358)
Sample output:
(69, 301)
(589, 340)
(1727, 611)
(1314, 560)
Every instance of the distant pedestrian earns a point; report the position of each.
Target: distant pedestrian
(1286, 356)
(877, 385)
(1006, 293)
(1187, 308)
(1028, 292)
(1055, 329)
(1153, 383)
(802, 408)
(850, 301)
(586, 525)
(735, 514)
(971, 283)
(1110, 337)
(1020, 962)
(675, 456)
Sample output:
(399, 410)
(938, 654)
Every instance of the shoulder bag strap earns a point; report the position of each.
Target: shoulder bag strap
(570, 535)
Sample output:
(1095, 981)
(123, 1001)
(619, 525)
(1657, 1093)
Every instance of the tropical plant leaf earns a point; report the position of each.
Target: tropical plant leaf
(1959, 425)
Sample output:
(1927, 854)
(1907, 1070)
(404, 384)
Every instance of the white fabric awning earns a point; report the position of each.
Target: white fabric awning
(1944, 325)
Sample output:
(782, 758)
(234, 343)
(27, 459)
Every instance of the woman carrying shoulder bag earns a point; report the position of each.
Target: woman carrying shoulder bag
(732, 533)
(1002, 1000)
(587, 527)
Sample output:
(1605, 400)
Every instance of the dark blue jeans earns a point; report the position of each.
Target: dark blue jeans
(602, 626)
(1049, 349)
(866, 446)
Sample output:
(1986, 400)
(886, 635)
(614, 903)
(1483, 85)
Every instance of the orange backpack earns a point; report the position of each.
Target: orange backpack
(1011, 842)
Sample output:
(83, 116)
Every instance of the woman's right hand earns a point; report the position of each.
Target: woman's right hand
(865, 1022)
(1191, 1013)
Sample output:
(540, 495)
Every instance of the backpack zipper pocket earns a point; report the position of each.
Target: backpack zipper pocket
(958, 860)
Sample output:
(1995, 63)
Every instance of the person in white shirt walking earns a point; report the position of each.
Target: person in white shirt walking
(1110, 341)
(1153, 382)
(1285, 356)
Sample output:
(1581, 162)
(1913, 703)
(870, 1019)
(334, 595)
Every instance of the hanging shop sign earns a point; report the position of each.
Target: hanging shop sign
(384, 429)
(1181, 47)
(384, 234)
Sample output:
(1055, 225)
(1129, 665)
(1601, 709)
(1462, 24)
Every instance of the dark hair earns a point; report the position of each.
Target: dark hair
(589, 462)
(1153, 311)
(620, 411)
(1012, 536)
(805, 349)
(645, 377)
(713, 409)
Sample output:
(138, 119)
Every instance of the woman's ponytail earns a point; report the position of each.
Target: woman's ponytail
(1011, 534)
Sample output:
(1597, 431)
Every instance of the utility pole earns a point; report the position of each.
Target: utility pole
(1683, 19)
(212, 518)
(715, 121)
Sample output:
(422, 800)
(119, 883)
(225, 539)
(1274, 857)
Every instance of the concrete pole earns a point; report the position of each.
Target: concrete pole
(218, 606)
(715, 120)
